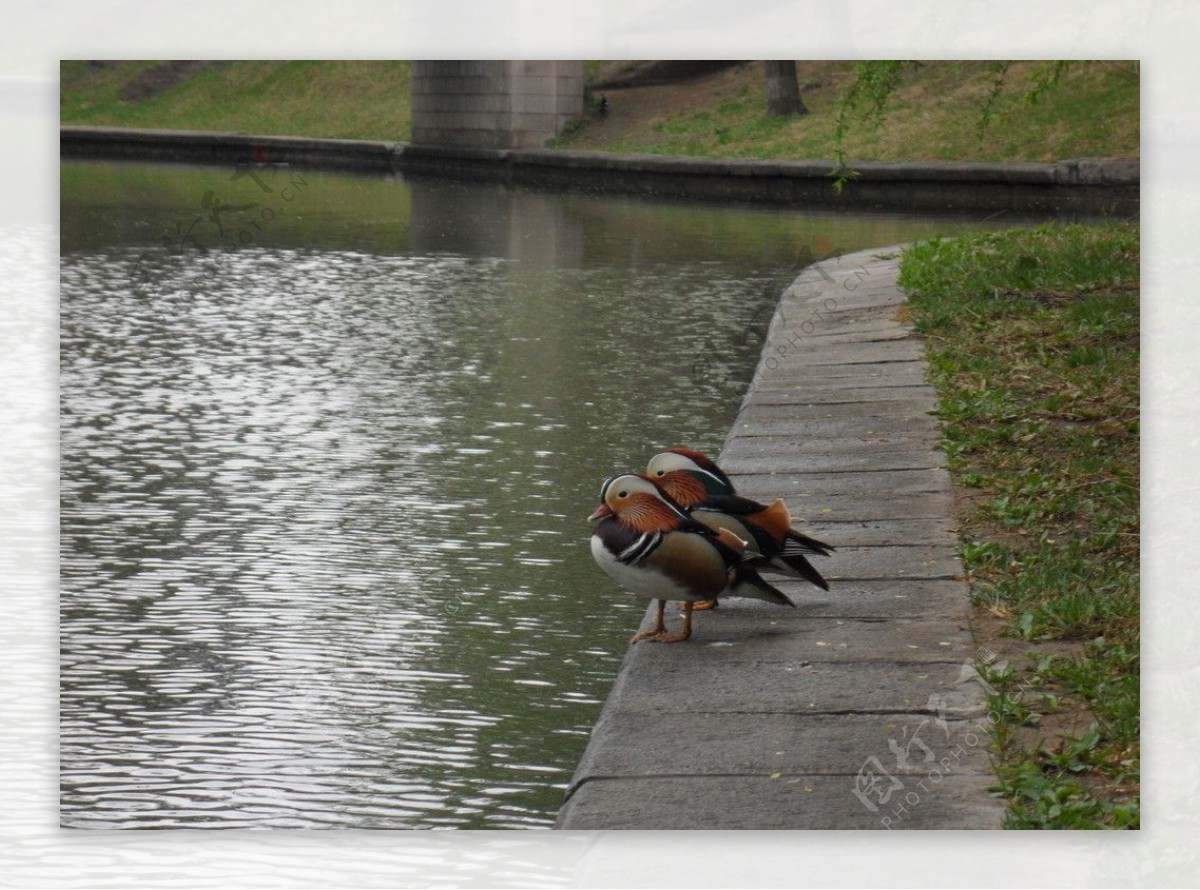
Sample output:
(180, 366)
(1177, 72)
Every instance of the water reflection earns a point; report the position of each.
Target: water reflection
(323, 553)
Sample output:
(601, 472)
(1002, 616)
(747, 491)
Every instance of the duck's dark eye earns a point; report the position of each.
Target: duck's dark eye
(661, 473)
(622, 494)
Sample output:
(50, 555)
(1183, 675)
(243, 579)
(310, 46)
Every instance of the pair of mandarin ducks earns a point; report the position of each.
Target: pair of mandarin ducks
(681, 532)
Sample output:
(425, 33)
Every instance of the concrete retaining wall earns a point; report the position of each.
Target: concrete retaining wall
(1085, 185)
(224, 148)
(494, 103)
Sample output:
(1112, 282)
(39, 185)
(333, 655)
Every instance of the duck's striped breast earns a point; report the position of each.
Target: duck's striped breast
(642, 546)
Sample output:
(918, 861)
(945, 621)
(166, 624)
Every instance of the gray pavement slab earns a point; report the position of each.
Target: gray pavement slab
(859, 707)
(875, 533)
(796, 407)
(791, 448)
(811, 508)
(813, 687)
(906, 373)
(768, 486)
(878, 428)
(816, 462)
(858, 334)
(804, 394)
(726, 635)
(867, 598)
(915, 560)
(782, 801)
(803, 353)
(765, 743)
(788, 444)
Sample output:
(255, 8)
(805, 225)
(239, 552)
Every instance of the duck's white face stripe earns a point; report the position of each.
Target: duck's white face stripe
(669, 462)
(641, 548)
(629, 484)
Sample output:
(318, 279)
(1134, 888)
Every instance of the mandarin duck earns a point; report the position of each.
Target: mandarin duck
(696, 483)
(648, 544)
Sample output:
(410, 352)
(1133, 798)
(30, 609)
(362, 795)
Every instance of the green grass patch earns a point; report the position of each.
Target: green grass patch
(329, 99)
(934, 115)
(1033, 342)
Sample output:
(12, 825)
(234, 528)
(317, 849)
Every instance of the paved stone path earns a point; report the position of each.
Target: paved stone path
(860, 708)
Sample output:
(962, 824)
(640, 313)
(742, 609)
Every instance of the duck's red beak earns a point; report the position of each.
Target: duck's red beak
(600, 512)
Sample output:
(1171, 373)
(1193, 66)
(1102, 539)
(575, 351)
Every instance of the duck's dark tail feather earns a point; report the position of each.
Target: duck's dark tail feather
(746, 582)
(794, 542)
(795, 566)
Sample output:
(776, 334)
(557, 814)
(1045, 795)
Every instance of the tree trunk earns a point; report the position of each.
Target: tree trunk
(783, 91)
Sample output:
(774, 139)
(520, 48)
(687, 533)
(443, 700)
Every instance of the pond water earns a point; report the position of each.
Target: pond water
(328, 446)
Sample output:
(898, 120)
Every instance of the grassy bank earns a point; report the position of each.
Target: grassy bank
(1033, 347)
(335, 100)
(933, 114)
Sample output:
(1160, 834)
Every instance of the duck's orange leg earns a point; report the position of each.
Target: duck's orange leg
(664, 637)
(660, 626)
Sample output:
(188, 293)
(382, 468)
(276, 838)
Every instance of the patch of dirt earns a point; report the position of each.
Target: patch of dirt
(623, 75)
(1055, 298)
(967, 500)
(991, 626)
(1070, 719)
(635, 104)
(159, 78)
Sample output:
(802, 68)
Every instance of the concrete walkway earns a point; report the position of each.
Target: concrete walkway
(861, 708)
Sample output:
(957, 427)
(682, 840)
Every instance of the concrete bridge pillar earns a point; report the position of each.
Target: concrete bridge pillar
(494, 103)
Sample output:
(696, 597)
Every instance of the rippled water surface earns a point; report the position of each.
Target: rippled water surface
(328, 443)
